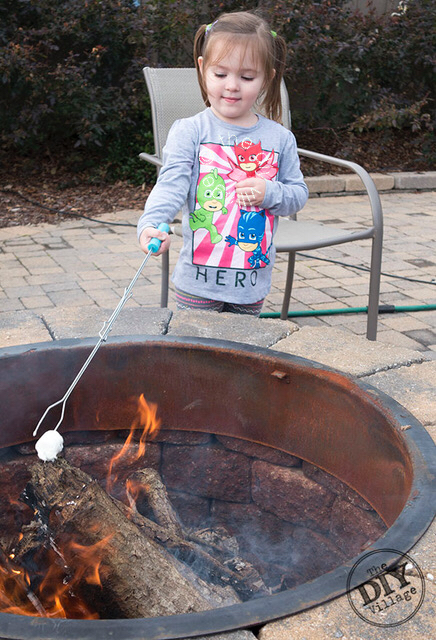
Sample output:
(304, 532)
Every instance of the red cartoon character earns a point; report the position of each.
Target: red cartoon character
(252, 162)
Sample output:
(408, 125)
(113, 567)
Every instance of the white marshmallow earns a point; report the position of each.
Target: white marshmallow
(49, 445)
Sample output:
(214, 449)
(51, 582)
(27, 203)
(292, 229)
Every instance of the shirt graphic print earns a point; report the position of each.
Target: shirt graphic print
(225, 235)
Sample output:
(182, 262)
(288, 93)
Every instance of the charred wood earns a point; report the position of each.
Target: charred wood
(155, 495)
(245, 583)
(143, 577)
(213, 551)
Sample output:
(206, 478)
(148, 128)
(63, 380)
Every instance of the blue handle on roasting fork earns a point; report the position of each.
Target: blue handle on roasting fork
(155, 243)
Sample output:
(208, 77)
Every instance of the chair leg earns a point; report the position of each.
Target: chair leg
(374, 287)
(288, 286)
(165, 279)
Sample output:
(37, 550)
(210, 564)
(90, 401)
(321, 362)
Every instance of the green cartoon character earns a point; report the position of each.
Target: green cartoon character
(211, 195)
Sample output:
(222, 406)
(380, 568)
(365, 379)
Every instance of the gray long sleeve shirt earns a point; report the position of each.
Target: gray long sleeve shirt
(228, 250)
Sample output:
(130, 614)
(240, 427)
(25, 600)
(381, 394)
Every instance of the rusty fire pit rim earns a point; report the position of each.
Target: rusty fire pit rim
(402, 535)
(391, 408)
(183, 341)
(419, 444)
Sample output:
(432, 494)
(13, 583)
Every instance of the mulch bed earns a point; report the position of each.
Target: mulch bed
(33, 192)
(44, 195)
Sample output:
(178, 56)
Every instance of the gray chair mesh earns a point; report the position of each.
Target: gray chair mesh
(164, 83)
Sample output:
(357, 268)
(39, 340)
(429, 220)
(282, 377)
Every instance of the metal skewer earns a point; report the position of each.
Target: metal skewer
(152, 247)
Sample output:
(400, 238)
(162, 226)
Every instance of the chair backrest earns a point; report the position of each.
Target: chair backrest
(175, 93)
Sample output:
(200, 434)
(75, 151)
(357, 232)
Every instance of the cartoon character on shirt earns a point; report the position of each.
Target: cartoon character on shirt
(252, 162)
(211, 196)
(251, 229)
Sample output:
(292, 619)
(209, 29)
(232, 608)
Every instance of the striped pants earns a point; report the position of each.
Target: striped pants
(189, 301)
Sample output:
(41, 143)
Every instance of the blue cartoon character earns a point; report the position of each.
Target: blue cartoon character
(211, 195)
(251, 229)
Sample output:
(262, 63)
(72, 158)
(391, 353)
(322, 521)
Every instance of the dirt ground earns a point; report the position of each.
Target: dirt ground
(32, 192)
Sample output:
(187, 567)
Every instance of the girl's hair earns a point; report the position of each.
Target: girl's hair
(269, 49)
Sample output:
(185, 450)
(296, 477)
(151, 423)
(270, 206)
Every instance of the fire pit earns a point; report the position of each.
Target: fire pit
(286, 405)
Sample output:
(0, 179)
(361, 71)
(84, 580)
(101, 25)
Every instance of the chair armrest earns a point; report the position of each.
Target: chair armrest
(150, 158)
(176, 229)
(368, 182)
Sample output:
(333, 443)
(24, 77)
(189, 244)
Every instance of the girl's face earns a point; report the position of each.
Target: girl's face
(233, 84)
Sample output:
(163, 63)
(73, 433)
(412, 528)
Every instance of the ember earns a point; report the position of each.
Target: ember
(48, 588)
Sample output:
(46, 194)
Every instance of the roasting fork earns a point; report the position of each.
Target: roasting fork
(152, 247)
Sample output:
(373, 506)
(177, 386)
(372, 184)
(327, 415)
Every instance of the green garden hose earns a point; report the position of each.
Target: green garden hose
(383, 308)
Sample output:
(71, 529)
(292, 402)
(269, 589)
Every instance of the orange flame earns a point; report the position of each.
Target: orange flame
(134, 489)
(53, 590)
(53, 595)
(146, 418)
(90, 560)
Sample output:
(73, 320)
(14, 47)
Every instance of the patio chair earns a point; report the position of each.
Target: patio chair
(174, 93)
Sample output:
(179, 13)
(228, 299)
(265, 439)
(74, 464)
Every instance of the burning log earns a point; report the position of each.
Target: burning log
(20, 588)
(156, 496)
(32, 538)
(143, 578)
(243, 578)
(208, 549)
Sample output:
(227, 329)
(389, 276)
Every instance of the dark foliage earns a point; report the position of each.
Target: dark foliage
(71, 85)
(344, 66)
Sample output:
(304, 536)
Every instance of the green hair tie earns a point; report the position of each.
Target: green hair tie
(209, 27)
(274, 34)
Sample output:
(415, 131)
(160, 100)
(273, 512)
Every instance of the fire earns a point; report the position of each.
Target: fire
(145, 419)
(90, 561)
(57, 578)
(53, 592)
(133, 492)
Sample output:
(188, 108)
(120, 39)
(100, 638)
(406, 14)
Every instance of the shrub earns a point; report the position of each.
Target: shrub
(324, 68)
(70, 74)
(343, 65)
(71, 85)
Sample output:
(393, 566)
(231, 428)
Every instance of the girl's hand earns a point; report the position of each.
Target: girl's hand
(151, 232)
(250, 192)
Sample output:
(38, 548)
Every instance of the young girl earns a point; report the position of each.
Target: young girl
(231, 170)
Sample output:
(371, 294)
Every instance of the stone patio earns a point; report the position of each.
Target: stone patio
(63, 282)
